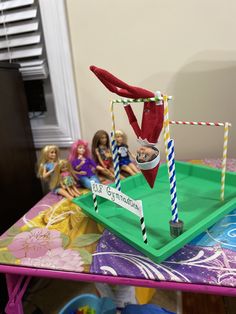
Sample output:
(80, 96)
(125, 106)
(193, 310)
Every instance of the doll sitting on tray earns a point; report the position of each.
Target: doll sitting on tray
(84, 167)
(124, 154)
(101, 153)
(49, 157)
(63, 180)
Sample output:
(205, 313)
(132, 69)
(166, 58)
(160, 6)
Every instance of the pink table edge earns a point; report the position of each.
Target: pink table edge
(56, 274)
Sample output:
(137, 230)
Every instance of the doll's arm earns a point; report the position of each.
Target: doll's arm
(131, 155)
(100, 158)
(46, 173)
(74, 178)
(73, 174)
(80, 165)
(62, 185)
(93, 165)
(81, 172)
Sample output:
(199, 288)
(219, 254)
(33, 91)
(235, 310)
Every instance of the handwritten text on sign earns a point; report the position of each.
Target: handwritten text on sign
(117, 197)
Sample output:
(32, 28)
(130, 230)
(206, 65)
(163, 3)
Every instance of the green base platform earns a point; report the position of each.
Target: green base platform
(198, 193)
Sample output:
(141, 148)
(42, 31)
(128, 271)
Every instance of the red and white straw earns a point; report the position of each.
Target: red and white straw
(199, 123)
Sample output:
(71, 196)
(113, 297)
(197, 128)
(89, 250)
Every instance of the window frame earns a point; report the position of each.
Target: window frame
(56, 36)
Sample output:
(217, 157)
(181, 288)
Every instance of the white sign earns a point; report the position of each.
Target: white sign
(117, 197)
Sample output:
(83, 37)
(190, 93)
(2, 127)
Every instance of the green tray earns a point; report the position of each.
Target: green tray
(198, 193)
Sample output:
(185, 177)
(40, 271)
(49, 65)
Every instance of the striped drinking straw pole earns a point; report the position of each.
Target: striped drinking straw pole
(172, 178)
(95, 203)
(129, 100)
(166, 127)
(142, 223)
(114, 149)
(199, 123)
(170, 160)
(226, 134)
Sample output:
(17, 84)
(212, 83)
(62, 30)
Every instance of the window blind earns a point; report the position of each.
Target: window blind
(21, 37)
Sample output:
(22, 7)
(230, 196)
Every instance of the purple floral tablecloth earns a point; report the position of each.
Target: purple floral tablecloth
(208, 259)
(55, 234)
(194, 263)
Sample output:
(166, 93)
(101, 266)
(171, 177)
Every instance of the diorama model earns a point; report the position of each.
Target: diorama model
(152, 195)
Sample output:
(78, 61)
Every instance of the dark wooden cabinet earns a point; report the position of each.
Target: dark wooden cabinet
(20, 188)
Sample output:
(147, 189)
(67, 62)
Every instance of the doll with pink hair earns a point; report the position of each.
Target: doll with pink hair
(82, 164)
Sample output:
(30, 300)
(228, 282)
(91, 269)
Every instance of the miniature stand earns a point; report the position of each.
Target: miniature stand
(159, 249)
(176, 227)
(169, 144)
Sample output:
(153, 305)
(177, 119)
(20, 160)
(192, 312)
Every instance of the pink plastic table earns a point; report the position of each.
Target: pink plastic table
(56, 240)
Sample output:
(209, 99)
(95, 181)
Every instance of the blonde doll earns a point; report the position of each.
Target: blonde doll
(124, 154)
(48, 160)
(101, 153)
(63, 180)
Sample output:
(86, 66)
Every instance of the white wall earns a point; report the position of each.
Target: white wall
(185, 48)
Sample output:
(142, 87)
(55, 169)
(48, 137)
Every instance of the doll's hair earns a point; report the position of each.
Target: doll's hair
(96, 142)
(123, 134)
(43, 158)
(74, 153)
(56, 177)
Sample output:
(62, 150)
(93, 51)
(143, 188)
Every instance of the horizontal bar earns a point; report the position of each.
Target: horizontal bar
(129, 100)
(199, 123)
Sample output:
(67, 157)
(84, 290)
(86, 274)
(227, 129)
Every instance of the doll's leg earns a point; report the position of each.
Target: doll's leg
(128, 170)
(71, 191)
(95, 179)
(64, 193)
(85, 182)
(106, 172)
(111, 173)
(134, 168)
(77, 192)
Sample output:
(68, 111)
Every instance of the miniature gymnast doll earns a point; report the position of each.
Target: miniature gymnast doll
(101, 153)
(124, 154)
(48, 160)
(63, 180)
(84, 167)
